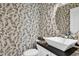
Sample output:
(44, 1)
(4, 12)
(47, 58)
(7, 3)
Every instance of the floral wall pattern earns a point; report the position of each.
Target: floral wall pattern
(18, 27)
(55, 18)
(48, 25)
(63, 17)
(21, 24)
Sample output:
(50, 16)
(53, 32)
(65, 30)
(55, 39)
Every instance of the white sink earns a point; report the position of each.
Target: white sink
(60, 43)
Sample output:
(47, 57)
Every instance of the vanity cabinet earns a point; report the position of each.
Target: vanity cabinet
(44, 52)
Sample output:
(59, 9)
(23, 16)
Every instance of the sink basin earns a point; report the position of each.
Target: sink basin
(60, 43)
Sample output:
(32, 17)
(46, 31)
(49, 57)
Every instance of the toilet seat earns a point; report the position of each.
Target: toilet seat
(31, 52)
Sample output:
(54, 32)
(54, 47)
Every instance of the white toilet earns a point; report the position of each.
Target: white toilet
(31, 52)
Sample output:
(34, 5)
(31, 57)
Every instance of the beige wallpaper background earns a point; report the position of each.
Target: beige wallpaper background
(48, 24)
(63, 17)
(56, 18)
(18, 27)
(21, 24)
(63, 20)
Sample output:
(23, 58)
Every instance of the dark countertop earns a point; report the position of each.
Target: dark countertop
(56, 51)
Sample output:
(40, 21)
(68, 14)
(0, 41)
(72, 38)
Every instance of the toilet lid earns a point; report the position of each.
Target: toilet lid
(31, 52)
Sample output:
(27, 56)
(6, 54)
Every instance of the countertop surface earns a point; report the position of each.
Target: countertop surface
(71, 52)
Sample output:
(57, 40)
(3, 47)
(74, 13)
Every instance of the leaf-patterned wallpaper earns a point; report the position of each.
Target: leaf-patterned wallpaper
(48, 25)
(56, 18)
(63, 17)
(21, 24)
(18, 27)
(63, 20)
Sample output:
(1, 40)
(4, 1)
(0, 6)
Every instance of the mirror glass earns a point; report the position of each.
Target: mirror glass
(74, 20)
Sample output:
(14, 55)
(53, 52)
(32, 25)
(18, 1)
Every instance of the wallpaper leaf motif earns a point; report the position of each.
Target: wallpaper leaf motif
(18, 27)
(22, 24)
